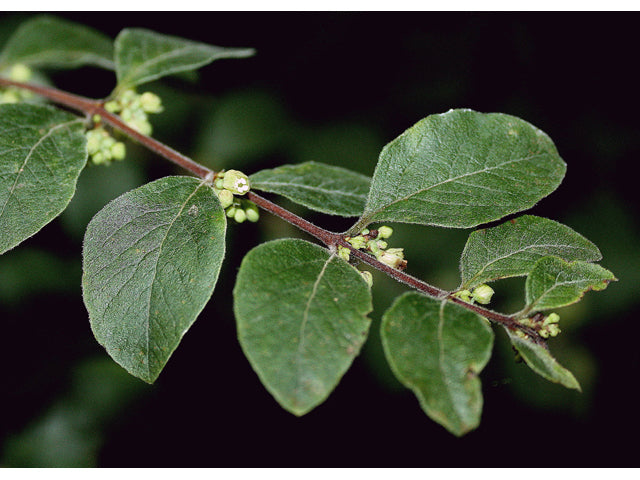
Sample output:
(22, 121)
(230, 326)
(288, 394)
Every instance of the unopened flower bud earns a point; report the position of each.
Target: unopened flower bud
(385, 232)
(240, 216)
(482, 294)
(231, 211)
(252, 212)
(554, 329)
(226, 198)
(357, 242)
(151, 103)
(552, 318)
(464, 295)
(118, 151)
(391, 259)
(20, 73)
(343, 253)
(236, 181)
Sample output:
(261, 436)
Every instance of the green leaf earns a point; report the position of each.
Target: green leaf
(461, 169)
(42, 152)
(143, 56)
(437, 350)
(151, 259)
(540, 360)
(513, 248)
(554, 283)
(301, 314)
(320, 187)
(46, 41)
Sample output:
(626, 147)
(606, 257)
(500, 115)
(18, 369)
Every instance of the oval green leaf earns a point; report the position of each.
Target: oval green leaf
(42, 152)
(540, 360)
(46, 41)
(554, 283)
(301, 314)
(151, 260)
(461, 169)
(318, 186)
(437, 350)
(513, 248)
(143, 56)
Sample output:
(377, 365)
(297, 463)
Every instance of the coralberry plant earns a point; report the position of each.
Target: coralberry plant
(152, 256)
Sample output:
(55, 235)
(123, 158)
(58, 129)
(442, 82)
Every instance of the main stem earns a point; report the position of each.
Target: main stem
(332, 240)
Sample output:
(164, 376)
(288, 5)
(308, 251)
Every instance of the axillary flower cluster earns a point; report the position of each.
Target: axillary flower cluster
(133, 109)
(374, 241)
(17, 73)
(545, 326)
(227, 185)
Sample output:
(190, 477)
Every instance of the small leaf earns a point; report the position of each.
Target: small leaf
(540, 360)
(320, 187)
(151, 260)
(45, 41)
(437, 350)
(461, 169)
(513, 248)
(42, 152)
(301, 314)
(143, 56)
(554, 283)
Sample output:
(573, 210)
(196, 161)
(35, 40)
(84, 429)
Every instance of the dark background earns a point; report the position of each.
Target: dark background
(335, 87)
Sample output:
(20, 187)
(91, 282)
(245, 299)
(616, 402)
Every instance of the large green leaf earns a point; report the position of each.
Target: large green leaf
(143, 56)
(320, 187)
(302, 318)
(513, 248)
(42, 152)
(554, 283)
(540, 360)
(151, 259)
(461, 169)
(437, 350)
(46, 41)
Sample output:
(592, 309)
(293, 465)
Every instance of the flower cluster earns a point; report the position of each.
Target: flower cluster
(102, 147)
(229, 184)
(373, 241)
(545, 326)
(133, 108)
(481, 294)
(17, 73)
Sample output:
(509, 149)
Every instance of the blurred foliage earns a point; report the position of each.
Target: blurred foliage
(335, 88)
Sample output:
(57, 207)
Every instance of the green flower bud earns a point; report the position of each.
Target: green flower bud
(219, 183)
(141, 126)
(20, 73)
(357, 242)
(464, 295)
(250, 208)
(231, 211)
(226, 198)
(364, 232)
(118, 151)
(10, 96)
(544, 333)
(482, 294)
(382, 244)
(128, 96)
(398, 252)
(367, 277)
(99, 158)
(236, 181)
(554, 329)
(151, 103)
(551, 319)
(112, 106)
(385, 232)
(343, 253)
(240, 216)
(94, 138)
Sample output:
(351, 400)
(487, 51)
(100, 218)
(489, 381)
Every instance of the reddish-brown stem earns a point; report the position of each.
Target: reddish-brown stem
(332, 240)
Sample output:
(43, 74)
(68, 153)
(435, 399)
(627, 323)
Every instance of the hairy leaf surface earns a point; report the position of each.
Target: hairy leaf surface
(46, 41)
(320, 187)
(151, 259)
(513, 248)
(540, 360)
(438, 351)
(554, 283)
(143, 56)
(42, 152)
(302, 319)
(461, 169)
